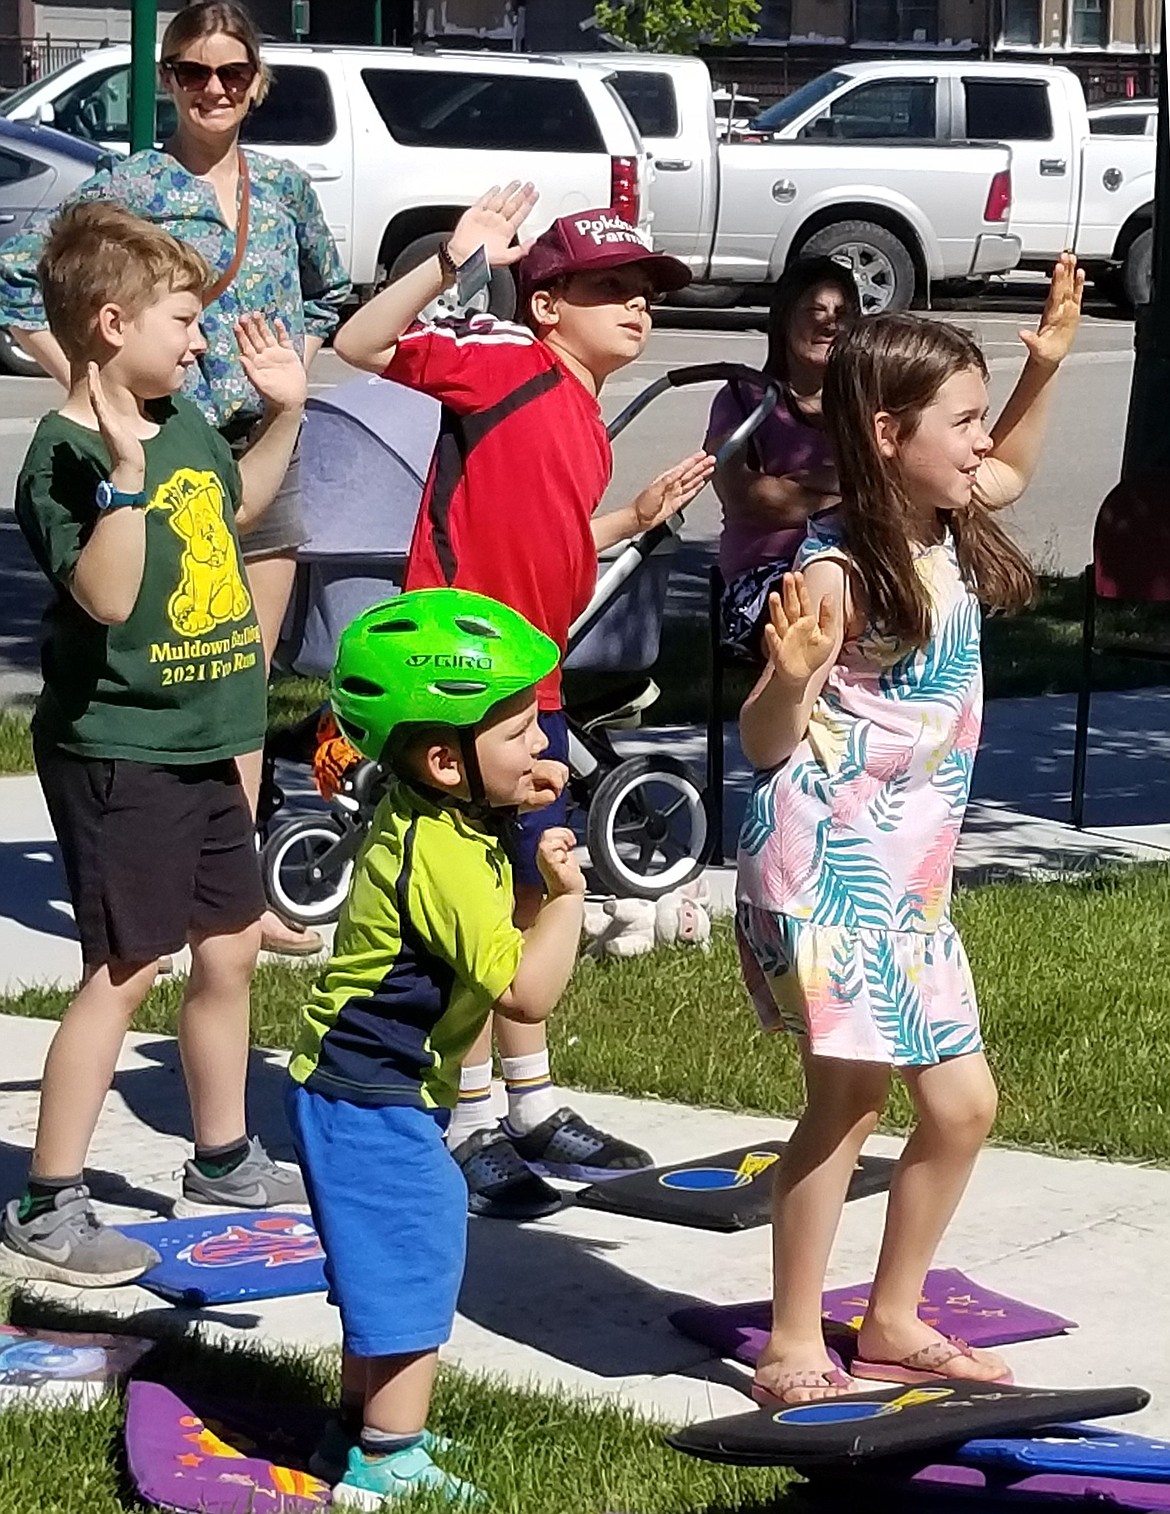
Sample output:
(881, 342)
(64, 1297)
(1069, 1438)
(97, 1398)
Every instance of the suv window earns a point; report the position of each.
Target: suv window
(297, 111)
(97, 109)
(649, 97)
(433, 108)
(1131, 124)
(15, 166)
(1007, 111)
(886, 108)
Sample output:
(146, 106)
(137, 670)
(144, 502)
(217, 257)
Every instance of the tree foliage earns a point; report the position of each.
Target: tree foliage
(677, 26)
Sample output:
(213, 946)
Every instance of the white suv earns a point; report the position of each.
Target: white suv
(398, 143)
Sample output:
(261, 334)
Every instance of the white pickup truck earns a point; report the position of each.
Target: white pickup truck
(1070, 188)
(904, 215)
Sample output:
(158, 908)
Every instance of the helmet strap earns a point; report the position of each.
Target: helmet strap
(471, 768)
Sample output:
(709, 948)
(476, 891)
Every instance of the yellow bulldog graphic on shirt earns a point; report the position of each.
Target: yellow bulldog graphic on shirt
(211, 588)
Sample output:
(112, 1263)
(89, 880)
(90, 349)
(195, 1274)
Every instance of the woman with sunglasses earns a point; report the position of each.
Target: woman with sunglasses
(258, 222)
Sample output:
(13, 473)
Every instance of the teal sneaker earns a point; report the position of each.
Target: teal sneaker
(367, 1484)
(331, 1456)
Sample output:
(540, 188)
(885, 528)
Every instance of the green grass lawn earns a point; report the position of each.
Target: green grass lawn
(532, 1453)
(1070, 978)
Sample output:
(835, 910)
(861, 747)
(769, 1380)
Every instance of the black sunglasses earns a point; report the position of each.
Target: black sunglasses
(235, 77)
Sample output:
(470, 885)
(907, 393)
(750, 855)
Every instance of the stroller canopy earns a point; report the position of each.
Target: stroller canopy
(365, 453)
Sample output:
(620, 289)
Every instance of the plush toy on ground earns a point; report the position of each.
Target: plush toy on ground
(630, 927)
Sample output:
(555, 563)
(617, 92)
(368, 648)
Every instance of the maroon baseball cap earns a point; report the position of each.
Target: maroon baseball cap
(596, 239)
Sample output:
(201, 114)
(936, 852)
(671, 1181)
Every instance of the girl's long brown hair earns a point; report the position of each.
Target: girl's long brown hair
(898, 363)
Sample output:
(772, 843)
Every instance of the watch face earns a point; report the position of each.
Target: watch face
(105, 494)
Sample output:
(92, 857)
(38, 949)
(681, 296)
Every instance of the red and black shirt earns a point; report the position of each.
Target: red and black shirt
(521, 464)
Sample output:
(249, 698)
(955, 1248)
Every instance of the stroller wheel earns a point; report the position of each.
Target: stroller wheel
(647, 827)
(300, 883)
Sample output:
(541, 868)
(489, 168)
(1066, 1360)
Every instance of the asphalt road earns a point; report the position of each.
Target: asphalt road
(1054, 521)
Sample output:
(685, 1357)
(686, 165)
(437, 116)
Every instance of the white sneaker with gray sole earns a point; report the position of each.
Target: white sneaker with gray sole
(69, 1244)
(257, 1183)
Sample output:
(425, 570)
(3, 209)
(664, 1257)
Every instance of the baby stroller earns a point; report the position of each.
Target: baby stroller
(646, 817)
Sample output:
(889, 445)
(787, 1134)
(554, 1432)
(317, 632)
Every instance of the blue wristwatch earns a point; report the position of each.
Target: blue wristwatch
(109, 498)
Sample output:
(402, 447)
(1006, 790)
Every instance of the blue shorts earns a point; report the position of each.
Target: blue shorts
(529, 827)
(390, 1207)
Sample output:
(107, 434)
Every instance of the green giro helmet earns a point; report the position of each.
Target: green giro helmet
(432, 657)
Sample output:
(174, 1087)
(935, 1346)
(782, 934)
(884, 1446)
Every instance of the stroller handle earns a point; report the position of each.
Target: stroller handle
(640, 547)
(707, 373)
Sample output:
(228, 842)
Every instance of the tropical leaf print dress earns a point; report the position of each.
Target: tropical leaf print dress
(847, 850)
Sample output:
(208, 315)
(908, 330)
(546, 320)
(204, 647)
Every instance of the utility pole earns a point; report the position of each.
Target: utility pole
(377, 23)
(143, 72)
(1147, 436)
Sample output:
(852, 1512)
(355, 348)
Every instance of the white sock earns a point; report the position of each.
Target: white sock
(474, 1110)
(532, 1095)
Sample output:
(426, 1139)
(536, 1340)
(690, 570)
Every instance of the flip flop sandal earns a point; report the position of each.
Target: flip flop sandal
(801, 1382)
(925, 1366)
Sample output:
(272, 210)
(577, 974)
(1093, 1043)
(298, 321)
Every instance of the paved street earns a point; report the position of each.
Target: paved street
(1055, 521)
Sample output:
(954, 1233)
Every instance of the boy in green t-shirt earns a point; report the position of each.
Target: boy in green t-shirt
(439, 685)
(153, 685)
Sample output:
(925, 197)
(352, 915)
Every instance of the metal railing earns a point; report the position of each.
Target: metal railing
(23, 59)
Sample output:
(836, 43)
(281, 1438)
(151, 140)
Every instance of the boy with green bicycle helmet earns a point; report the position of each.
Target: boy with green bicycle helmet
(439, 687)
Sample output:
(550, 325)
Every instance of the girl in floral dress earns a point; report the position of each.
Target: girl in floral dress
(864, 727)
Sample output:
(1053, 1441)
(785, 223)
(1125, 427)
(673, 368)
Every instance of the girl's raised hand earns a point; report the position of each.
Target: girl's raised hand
(271, 362)
(1052, 340)
(798, 642)
(492, 223)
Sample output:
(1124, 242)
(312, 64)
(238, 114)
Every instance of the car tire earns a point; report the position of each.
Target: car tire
(14, 359)
(498, 299)
(878, 259)
(1137, 272)
(706, 296)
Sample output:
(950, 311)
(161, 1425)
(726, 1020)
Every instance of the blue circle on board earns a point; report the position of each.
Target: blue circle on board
(829, 1411)
(701, 1179)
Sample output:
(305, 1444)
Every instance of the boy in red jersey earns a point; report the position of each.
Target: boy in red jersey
(521, 465)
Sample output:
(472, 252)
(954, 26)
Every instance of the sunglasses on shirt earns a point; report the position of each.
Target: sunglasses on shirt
(235, 77)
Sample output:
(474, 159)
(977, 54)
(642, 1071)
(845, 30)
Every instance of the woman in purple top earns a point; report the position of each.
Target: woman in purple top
(786, 473)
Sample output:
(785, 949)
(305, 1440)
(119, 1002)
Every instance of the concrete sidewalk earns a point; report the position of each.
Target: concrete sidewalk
(580, 1300)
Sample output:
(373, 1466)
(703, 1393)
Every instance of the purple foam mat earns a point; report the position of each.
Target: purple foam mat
(947, 1481)
(951, 1301)
(188, 1455)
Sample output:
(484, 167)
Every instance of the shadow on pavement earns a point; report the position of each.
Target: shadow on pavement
(33, 891)
(560, 1295)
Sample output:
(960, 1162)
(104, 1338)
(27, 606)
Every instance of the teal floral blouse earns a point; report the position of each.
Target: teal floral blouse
(291, 267)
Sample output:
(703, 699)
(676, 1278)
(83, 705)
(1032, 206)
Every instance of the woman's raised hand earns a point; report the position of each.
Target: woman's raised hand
(1052, 340)
(492, 223)
(798, 641)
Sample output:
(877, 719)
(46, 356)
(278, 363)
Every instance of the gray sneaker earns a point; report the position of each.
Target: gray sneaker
(69, 1244)
(257, 1183)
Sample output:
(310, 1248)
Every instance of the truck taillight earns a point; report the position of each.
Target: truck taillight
(623, 188)
(999, 197)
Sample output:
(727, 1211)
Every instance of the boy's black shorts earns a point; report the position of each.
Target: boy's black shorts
(153, 853)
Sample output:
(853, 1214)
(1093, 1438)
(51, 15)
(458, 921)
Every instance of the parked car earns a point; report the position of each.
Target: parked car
(398, 143)
(38, 167)
(1092, 192)
(903, 215)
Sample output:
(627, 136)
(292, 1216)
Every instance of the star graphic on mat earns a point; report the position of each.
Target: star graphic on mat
(189, 1460)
